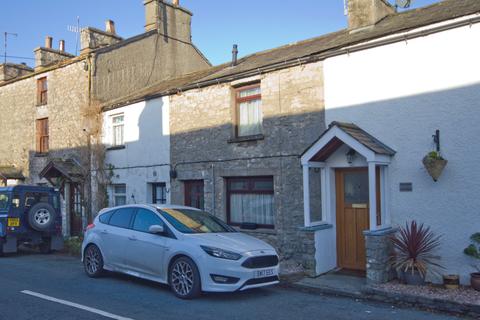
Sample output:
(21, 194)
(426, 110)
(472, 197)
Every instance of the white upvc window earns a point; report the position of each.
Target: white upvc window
(117, 130)
(119, 194)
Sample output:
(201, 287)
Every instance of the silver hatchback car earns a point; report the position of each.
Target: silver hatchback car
(184, 247)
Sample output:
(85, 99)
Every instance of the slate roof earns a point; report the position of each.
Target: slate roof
(10, 172)
(395, 23)
(364, 138)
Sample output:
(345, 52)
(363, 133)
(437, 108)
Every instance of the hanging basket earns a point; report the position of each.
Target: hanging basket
(434, 166)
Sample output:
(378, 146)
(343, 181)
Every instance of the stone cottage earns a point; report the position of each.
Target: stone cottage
(50, 126)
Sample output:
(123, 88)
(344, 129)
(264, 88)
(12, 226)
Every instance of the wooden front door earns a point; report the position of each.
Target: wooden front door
(194, 194)
(352, 217)
(75, 209)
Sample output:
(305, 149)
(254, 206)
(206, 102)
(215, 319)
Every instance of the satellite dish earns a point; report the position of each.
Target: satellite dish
(403, 3)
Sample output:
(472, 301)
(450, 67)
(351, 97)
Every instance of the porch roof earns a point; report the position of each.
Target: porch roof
(340, 133)
(67, 169)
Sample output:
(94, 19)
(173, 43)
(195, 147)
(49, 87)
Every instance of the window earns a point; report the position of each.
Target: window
(249, 110)
(105, 217)
(250, 200)
(122, 217)
(32, 198)
(159, 193)
(42, 135)
(117, 130)
(119, 194)
(194, 196)
(4, 201)
(194, 221)
(144, 219)
(42, 89)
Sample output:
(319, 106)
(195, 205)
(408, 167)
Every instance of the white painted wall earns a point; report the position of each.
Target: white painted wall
(401, 93)
(146, 155)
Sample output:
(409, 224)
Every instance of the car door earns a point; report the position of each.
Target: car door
(114, 236)
(145, 251)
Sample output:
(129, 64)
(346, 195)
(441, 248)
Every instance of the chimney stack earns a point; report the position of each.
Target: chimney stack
(169, 19)
(61, 46)
(48, 42)
(234, 55)
(366, 13)
(110, 26)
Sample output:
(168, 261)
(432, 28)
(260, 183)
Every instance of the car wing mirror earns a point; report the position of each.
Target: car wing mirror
(156, 229)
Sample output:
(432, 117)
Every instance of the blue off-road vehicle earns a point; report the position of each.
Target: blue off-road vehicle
(31, 215)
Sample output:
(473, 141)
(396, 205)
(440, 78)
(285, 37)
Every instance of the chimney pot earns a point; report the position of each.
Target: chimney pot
(110, 26)
(234, 55)
(48, 42)
(61, 45)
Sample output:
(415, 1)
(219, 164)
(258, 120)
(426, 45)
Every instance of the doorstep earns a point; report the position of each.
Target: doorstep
(333, 284)
(356, 287)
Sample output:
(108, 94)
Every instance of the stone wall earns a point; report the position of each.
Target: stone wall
(201, 124)
(139, 62)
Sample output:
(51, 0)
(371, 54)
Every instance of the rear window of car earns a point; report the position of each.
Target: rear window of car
(105, 217)
(122, 217)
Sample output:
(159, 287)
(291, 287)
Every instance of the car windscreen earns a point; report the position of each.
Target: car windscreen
(194, 221)
(4, 200)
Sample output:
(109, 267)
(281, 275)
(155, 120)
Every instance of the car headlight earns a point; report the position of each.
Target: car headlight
(220, 253)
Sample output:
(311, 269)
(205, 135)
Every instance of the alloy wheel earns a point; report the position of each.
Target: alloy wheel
(182, 278)
(42, 216)
(92, 260)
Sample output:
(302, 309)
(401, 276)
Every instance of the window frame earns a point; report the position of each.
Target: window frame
(154, 192)
(114, 194)
(250, 190)
(113, 141)
(42, 91)
(239, 100)
(42, 137)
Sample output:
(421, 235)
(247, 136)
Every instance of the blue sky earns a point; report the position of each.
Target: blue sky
(254, 25)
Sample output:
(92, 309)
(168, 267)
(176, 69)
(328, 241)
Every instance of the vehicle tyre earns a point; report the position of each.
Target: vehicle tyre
(93, 261)
(46, 246)
(1, 249)
(41, 216)
(184, 278)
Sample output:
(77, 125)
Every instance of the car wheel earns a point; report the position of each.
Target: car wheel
(41, 216)
(184, 278)
(93, 261)
(1, 249)
(45, 246)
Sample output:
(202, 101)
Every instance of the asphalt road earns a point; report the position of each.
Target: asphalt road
(29, 282)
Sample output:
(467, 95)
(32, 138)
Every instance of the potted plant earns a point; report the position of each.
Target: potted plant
(473, 250)
(413, 253)
(451, 281)
(434, 163)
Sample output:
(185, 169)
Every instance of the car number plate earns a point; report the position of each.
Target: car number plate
(264, 273)
(14, 222)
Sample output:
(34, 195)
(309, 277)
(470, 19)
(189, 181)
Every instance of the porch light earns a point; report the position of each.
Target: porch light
(351, 155)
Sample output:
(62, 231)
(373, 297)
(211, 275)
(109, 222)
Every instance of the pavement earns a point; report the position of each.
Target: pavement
(35, 286)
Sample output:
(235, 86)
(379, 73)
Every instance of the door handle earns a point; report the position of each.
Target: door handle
(133, 238)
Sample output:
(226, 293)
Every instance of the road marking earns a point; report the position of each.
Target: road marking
(75, 305)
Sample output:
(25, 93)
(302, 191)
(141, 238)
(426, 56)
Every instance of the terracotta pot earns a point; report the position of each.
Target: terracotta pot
(451, 281)
(475, 280)
(413, 278)
(434, 166)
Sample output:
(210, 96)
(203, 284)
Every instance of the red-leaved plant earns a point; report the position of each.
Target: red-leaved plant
(414, 245)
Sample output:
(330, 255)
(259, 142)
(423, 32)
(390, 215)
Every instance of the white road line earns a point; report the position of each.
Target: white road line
(75, 305)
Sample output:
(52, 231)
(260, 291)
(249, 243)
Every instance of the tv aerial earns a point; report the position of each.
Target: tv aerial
(403, 3)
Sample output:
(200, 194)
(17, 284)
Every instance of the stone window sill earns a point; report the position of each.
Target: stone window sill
(41, 155)
(116, 148)
(247, 138)
(260, 230)
(317, 227)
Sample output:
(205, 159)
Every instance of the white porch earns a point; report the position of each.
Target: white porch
(342, 146)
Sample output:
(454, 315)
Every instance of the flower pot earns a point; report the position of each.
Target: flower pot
(475, 280)
(413, 278)
(451, 281)
(434, 166)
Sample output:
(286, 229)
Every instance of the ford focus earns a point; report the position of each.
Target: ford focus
(186, 248)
